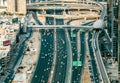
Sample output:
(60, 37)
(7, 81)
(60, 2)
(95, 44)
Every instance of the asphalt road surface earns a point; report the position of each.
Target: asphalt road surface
(75, 70)
(60, 69)
(43, 68)
(95, 75)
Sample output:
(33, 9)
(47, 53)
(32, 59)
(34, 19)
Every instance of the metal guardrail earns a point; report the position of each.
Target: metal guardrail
(61, 7)
(60, 27)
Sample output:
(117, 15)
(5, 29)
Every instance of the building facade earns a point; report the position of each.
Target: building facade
(11, 6)
(14, 6)
(21, 6)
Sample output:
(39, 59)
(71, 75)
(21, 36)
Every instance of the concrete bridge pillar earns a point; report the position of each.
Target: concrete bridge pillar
(41, 18)
(85, 18)
(54, 19)
(43, 11)
(64, 12)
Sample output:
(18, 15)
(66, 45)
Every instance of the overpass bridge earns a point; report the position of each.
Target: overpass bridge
(60, 27)
(61, 7)
(84, 16)
(87, 10)
(64, 5)
(86, 6)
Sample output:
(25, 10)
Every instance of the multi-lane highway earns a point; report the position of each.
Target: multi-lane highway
(77, 70)
(59, 49)
(44, 63)
(60, 70)
(77, 36)
(47, 50)
(46, 55)
(43, 68)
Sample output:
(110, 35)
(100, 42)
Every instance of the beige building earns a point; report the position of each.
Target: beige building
(13, 6)
(21, 6)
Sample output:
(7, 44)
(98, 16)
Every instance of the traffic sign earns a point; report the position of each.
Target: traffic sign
(77, 63)
(15, 20)
(73, 35)
(81, 30)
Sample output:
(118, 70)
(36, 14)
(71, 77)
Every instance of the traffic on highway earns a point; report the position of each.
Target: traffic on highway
(61, 59)
(71, 35)
(61, 54)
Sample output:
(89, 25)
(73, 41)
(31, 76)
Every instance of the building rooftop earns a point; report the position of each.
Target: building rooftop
(8, 32)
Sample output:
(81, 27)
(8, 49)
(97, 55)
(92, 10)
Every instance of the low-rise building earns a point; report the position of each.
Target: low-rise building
(7, 37)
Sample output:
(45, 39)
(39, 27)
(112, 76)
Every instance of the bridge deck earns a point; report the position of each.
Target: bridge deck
(64, 2)
(90, 16)
(60, 26)
(62, 7)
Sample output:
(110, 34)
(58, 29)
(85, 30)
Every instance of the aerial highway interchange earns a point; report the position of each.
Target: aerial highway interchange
(60, 45)
(62, 41)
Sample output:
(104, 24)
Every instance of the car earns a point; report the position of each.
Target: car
(90, 68)
(35, 76)
(89, 63)
(1, 22)
(7, 23)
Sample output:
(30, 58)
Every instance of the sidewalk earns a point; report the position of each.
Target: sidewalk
(86, 74)
(29, 60)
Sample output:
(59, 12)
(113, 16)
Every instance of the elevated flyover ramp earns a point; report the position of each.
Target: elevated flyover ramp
(84, 16)
(64, 5)
(87, 10)
(73, 5)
